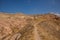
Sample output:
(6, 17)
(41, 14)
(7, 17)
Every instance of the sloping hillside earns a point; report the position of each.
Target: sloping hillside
(29, 27)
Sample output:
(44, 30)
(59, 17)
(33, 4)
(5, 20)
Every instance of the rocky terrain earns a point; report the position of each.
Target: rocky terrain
(29, 27)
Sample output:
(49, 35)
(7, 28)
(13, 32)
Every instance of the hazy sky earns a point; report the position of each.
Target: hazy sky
(30, 6)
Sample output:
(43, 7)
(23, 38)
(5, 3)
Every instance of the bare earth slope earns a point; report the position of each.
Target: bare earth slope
(29, 27)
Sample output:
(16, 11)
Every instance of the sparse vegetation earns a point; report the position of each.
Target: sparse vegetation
(22, 27)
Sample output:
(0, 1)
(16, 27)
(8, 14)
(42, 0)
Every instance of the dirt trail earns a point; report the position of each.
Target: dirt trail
(36, 35)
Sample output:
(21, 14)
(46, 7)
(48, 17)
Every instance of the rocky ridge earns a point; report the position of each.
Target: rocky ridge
(29, 27)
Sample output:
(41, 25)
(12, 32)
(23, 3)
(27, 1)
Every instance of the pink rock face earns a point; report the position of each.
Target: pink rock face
(29, 27)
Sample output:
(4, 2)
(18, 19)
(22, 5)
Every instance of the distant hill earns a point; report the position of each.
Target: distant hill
(29, 27)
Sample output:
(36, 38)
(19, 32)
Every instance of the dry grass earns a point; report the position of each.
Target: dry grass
(22, 27)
